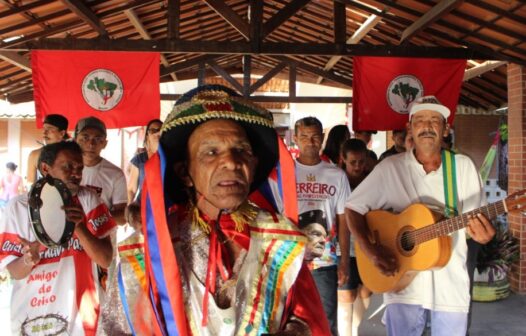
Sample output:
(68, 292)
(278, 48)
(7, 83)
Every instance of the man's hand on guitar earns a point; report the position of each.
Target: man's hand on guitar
(384, 260)
(480, 229)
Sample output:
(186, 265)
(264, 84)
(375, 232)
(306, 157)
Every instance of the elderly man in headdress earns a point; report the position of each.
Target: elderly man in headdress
(217, 263)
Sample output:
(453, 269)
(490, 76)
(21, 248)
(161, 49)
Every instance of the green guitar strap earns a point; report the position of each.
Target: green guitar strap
(450, 183)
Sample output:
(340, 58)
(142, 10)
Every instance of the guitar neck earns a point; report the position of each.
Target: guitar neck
(450, 225)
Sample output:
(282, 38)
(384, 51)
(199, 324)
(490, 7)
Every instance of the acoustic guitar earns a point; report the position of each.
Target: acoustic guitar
(417, 240)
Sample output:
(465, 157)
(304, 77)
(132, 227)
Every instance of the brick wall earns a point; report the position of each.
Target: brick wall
(517, 165)
(476, 141)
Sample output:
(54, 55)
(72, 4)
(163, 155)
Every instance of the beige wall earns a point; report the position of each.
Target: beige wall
(122, 144)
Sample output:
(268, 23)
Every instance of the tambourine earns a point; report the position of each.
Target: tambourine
(46, 198)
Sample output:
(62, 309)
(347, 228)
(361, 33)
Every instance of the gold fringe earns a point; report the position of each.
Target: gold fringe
(245, 214)
(198, 221)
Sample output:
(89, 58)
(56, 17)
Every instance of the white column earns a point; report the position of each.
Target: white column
(13, 140)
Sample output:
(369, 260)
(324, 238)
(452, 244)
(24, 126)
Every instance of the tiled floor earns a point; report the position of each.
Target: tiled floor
(506, 317)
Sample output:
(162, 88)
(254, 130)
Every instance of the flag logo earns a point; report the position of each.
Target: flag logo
(402, 92)
(102, 89)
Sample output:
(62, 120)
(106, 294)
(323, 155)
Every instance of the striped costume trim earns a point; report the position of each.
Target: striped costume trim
(268, 286)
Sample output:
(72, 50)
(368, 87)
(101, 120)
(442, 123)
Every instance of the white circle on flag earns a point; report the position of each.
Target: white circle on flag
(402, 92)
(102, 89)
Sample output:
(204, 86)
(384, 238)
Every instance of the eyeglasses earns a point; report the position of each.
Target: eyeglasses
(153, 130)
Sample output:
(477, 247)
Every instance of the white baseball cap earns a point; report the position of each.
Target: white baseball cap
(428, 103)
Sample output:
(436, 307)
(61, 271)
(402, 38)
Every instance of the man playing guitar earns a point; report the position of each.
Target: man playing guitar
(419, 176)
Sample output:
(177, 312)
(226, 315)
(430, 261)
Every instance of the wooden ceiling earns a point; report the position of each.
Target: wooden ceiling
(311, 41)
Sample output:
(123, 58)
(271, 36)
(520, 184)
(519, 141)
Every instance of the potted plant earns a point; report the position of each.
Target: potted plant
(493, 263)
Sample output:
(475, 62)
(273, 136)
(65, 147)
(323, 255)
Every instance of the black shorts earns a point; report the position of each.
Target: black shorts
(354, 276)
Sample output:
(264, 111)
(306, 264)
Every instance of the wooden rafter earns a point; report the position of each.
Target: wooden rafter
(14, 58)
(317, 71)
(239, 47)
(283, 15)
(223, 73)
(339, 26)
(187, 64)
(292, 80)
(136, 22)
(435, 13)
(174, 17)
(510, 14)
(358, 35)
(281, 99)
(273, 72)
(255, 20)
(86, 14)
(247, 69)
(23, 8)
(230, 16)
(401, 22)
(462, 30)
(482, 68)
(39, 20)
(30, 17)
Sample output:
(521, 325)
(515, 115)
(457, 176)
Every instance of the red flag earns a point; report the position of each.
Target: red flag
(385, 87)
(120, 88)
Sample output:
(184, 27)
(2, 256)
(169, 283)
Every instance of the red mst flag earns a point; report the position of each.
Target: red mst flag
(120, 88)
(385, 87)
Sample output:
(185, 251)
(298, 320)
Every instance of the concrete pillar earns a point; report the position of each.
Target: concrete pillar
(13, 140)
(517, 165)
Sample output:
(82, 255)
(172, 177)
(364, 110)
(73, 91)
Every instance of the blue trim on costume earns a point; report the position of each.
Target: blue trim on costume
(122, 293)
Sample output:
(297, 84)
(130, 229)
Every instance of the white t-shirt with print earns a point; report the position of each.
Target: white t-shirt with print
(108, 181)
(323, 187)
(50, 298)
(399, 181)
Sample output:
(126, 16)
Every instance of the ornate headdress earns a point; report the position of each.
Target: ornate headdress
(210, 102)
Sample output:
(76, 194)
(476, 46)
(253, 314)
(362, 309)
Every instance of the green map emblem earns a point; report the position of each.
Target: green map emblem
(102, 89)
(402, 92)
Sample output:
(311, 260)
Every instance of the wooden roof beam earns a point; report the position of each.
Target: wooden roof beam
(255, 17)
(174, 18)
(86, 14)
(435, 13)
(280, 99)
(230, 16)
(223, 73)
(240, 47)
(482, 68)
(317, 71)
(187, 64)
(269, 75)
(14, 58)
(491, 54)
(283, 15)
(510, 14)
(136, 22)
(24, 13)
(22, 8)
(358, 35)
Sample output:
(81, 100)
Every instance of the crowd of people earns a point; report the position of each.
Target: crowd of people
(209, 248)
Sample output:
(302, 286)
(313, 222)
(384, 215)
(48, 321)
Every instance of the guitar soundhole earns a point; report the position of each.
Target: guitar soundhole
(407, 241)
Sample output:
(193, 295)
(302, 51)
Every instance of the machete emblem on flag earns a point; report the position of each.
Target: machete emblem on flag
(102, 89)
(402, 92)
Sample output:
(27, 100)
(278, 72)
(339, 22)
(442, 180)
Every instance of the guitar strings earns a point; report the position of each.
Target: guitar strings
(447, 226)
